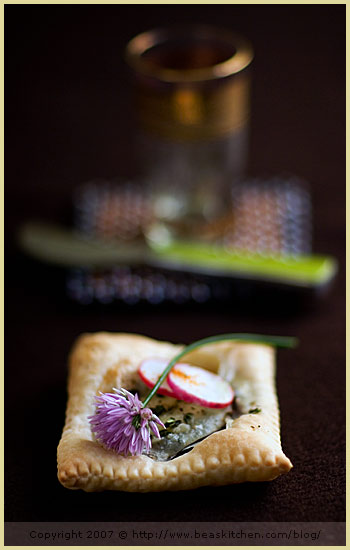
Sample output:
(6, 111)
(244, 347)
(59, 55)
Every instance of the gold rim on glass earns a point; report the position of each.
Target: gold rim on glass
(142, 43)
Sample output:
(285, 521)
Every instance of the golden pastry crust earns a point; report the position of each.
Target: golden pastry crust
(248, 450)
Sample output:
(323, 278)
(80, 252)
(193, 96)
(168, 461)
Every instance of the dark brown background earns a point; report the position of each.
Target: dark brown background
(68, 120)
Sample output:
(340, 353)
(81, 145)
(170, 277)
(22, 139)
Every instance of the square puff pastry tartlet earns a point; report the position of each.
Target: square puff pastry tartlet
(248, 449)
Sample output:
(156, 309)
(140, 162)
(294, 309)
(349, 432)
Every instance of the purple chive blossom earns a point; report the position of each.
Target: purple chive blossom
(122, 423)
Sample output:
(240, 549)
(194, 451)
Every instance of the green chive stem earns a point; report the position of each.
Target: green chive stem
(276, 341)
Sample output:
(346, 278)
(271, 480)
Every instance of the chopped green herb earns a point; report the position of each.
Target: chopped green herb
(188, 417)
(158, 410)
(255, 411)
(169, 422)
(172, 423)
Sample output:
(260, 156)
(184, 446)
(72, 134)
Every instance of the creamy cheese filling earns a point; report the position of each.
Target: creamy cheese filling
(188, 423)
(185, 424)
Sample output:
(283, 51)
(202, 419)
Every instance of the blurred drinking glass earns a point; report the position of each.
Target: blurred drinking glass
(192, 87)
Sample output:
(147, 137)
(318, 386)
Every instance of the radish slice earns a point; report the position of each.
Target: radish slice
(150, 371)
(197, 385)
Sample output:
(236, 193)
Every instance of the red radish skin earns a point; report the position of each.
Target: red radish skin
(150, 371)
(197, 385)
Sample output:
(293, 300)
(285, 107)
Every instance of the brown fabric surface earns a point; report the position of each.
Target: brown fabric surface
(68, 120)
